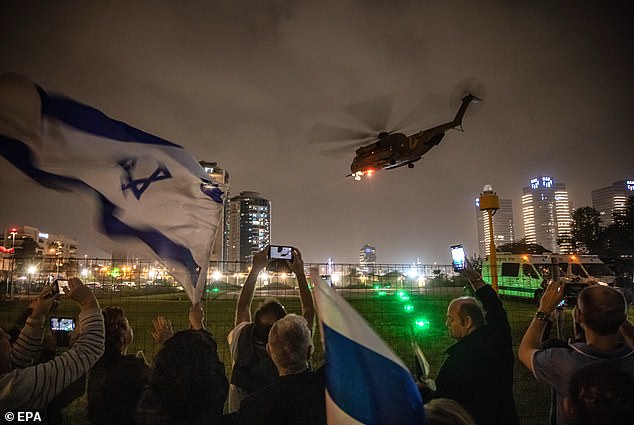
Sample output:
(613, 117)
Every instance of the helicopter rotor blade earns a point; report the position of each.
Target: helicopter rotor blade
(419, 112)
(373, 113)
(346, 150)
(323, 133)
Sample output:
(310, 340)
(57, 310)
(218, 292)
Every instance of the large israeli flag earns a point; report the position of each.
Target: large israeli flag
(149, 188)
(366, 382)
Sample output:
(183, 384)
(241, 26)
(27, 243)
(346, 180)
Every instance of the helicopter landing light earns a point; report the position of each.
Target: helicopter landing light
(358, 175)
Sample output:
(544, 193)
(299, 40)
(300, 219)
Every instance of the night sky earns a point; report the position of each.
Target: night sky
(243, 82)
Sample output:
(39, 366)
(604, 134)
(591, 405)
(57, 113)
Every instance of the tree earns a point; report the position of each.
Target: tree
(586, 234)
(620, 234)
(521, 247)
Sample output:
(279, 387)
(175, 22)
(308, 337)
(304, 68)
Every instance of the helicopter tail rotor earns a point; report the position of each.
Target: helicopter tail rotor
(464, 87)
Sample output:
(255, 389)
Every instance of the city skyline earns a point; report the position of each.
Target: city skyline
(247, 95)
(504, 227)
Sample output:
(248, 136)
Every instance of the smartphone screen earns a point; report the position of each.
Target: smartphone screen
(281, 252)
(62, 324)
(458, 257)
(62, 286)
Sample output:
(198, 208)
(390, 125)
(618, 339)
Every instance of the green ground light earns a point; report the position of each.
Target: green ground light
(403, 296)
(421, 323)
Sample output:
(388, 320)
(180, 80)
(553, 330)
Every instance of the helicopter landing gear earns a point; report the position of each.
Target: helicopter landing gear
(410, 165)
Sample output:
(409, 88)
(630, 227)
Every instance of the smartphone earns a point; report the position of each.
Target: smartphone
(60, 286)
(62, 324)
(458, 257)
(63, 286)
(61, 328)
(281, 253)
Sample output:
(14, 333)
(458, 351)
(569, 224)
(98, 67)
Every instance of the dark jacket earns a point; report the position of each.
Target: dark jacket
(253, 368)
(114, 389)
(289, 400)
(478, 370)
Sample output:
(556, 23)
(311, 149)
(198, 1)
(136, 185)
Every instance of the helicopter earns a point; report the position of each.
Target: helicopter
(394, 149)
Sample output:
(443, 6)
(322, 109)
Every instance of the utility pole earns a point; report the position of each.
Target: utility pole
(490, 203)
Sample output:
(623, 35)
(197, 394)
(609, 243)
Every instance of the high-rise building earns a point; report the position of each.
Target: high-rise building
(503, 228)
(48, 250)
(367, 256)
(611, 199)
(248, 226)
(220, 249)
(546, 213)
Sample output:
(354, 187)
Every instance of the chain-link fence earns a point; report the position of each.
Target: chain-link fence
(404, 304)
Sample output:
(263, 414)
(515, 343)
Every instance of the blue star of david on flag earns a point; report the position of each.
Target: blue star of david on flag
(64, 144)
(139, 185)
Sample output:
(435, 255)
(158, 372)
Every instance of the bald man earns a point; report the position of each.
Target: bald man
(297, 395)
(601, 312)
(478, 370)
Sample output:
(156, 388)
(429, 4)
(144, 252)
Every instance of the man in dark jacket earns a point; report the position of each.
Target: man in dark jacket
(297, 395)
(252, 368)
(478, 370)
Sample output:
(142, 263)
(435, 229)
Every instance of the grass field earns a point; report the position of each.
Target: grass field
(393, 317)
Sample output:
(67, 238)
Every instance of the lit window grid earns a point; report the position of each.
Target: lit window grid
(529, 218)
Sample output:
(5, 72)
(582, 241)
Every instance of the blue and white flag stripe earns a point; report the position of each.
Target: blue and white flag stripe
(149, 188)
(366, 382)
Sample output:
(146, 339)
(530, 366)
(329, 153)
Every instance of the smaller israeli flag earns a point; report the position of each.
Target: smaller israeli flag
(366, 382)
(149, 188)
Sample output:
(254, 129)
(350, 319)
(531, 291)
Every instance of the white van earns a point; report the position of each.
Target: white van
(585, 269)
(519, 275)
(524, 275)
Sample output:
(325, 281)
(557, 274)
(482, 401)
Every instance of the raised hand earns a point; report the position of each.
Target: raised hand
(196, 317)
(163, 330)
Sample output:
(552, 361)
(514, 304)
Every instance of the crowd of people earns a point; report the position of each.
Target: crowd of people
(273, 380)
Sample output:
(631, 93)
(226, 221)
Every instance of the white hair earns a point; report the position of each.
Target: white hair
(290, 343)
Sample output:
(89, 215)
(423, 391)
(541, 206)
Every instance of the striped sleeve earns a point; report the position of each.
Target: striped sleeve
(27, 348)
(34, 387)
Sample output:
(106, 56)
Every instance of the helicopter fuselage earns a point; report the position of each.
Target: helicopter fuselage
(394, 150)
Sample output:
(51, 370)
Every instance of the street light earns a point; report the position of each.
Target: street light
(13, 231)
(58, 256)
(31, 270)
(490, 203)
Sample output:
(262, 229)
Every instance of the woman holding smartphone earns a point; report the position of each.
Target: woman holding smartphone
(24, 387)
